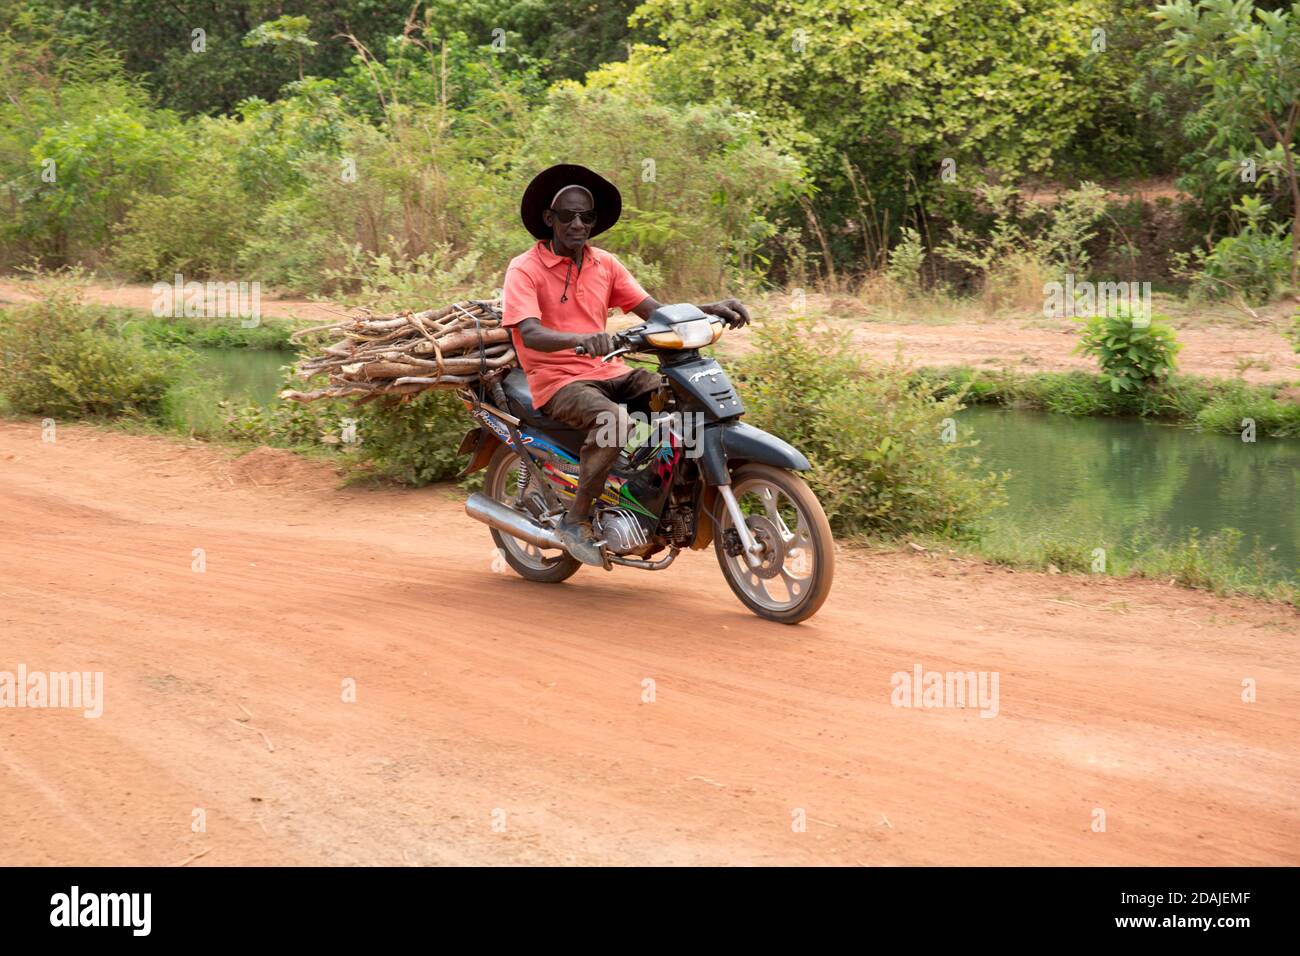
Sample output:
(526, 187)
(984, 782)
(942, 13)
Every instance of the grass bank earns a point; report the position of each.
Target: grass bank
(1219, 405)
(1205, 562)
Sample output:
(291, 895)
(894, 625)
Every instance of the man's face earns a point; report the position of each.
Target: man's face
(574, 234)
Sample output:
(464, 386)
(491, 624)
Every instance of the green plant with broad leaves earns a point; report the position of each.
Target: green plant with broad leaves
(1133, 353)
(63, 358)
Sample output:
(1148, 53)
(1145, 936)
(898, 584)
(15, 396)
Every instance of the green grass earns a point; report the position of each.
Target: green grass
(1211, 563)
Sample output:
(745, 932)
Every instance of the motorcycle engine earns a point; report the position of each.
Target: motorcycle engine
(621, 530)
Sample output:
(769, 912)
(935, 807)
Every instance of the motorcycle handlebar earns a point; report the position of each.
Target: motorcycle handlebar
(622, 341)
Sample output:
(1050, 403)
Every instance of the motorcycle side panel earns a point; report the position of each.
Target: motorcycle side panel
(643, 490)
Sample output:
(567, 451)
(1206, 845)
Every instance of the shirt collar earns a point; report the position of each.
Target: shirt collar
(551, 260)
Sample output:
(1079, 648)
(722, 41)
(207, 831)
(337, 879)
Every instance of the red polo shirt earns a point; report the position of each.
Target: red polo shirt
(533, 287)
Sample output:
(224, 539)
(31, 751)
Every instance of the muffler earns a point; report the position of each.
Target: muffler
(508, 521)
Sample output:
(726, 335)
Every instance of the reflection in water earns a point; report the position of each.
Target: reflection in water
(1127, 483)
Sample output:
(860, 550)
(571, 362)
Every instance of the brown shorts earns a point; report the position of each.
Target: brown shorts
(581, 404)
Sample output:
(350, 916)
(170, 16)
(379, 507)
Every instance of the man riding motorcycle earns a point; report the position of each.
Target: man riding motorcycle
(557, 296)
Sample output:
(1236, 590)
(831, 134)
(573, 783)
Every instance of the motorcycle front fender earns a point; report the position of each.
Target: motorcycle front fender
(727, 445)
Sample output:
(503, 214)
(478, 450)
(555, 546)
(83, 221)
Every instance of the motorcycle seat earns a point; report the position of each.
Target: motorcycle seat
(520, 399)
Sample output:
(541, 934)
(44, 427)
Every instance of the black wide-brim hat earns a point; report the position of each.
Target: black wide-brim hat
(540, 192)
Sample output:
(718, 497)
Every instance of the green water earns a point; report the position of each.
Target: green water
(1131, 484)
(242, 374)
(226, 375)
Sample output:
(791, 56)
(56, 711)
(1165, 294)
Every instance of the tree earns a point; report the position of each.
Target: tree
(284, 34)
(882, 93)
(1246, 62)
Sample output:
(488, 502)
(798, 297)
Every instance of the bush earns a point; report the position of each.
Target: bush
(386, 283)
(168, 331)
(905, 261)
(285, 424)
(1019, 252)
(62, 358)
(1132, 355)
(1252, 264)
(1073, 393)
(414, 442)
(196, 229)
(873, 432)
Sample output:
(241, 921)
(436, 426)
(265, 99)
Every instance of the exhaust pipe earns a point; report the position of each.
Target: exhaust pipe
(508, 521)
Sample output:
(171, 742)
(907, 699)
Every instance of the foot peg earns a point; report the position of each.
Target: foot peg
(580, 541)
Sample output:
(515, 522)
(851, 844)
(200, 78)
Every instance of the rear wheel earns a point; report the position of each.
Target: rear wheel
(501, 483)
(794, 575)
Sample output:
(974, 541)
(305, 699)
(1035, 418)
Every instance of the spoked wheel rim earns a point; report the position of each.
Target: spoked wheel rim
(788, 568)
(504, 488)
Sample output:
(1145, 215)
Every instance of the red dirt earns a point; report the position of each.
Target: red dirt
(478, 693)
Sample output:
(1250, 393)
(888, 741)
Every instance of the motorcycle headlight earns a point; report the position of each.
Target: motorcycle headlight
(687, 335)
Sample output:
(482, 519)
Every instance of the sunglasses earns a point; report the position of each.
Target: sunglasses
(566, 215)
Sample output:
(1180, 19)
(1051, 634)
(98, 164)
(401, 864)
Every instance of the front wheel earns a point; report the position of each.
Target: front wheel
(505, 473)
(793, 577)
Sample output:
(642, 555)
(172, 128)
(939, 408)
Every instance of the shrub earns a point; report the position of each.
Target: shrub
(1132, 355)
(905, 261)
(411, 441)
(196, 229)
(872, 431)
(386, 283)
(291, 424)
(1252, 264)
(167, 331)
(62, 358)
(1073, 393)
(1020, 252)
(415, 441)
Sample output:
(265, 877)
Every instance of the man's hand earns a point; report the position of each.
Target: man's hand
(601, 343)
(729, 310)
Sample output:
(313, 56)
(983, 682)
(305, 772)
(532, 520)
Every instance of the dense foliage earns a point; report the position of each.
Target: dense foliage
(314, 147)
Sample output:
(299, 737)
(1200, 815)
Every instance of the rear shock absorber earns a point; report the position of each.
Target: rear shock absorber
(521, 484)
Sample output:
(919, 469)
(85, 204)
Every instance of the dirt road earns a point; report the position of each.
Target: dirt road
(496, 721)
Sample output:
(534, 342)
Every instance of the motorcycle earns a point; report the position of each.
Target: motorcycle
(700, 476)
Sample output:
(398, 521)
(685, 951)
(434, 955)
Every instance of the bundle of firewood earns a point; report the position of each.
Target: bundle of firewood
(407, 353)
